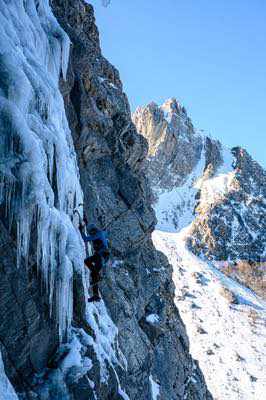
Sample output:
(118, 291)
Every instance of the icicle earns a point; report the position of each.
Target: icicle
(50, 159)
(65, 55)
(19, 245)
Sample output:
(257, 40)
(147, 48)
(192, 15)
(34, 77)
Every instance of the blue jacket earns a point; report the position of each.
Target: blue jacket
(99, 241)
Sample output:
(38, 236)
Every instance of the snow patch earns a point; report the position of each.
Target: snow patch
(7, 391)
(216, 188)
(153, 318)
(105, 344)
(175, 209)
(155, 388)
(75, 358)
(101, 79)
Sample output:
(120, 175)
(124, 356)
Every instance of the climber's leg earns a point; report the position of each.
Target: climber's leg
(94, 263)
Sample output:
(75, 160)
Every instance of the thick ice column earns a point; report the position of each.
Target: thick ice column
(39, 178)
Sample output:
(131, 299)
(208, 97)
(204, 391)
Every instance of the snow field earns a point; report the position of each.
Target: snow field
(226, 339)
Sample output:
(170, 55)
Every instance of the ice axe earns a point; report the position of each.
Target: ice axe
(84, 219)
(76, 211)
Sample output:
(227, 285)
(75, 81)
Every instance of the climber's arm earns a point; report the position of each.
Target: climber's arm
(86, 238)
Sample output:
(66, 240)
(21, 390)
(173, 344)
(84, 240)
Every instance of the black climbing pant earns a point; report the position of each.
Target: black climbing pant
(95, 264)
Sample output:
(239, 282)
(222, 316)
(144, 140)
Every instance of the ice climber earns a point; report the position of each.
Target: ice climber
(99, 241)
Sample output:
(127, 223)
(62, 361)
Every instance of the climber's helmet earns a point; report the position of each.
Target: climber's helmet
(92, 229)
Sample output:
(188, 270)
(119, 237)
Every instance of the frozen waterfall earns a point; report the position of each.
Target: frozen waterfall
(39, 178)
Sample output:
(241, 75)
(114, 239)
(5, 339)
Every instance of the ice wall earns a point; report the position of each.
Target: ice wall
(39, 179)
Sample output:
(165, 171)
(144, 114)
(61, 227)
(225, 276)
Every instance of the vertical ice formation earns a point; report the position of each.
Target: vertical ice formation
(6, 389)
(105, 344)
(39, 180)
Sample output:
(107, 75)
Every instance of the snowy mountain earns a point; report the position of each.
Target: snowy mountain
(210, 206)
(221, 191)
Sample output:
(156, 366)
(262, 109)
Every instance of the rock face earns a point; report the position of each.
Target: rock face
(110, 154)
(56, 346)
(235, 228)
(174, 147)
(196, 181)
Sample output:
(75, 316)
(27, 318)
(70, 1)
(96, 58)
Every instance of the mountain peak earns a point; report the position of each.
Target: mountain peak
(231, 185)
(167, 109)
(173, 106)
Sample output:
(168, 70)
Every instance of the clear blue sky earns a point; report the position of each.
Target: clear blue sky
(209, 54)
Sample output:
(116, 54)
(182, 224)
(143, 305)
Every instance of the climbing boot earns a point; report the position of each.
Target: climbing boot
(94, 298)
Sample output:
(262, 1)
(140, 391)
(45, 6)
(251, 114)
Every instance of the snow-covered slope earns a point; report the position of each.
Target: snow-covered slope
(175, 207)
(229, 340)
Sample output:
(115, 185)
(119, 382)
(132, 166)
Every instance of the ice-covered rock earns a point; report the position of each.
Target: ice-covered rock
(39, 174)
(41, 250)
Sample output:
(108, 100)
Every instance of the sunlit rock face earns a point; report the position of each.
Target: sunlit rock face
(174, 146)
(56, 138)
(178, 156)
(196, 181)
